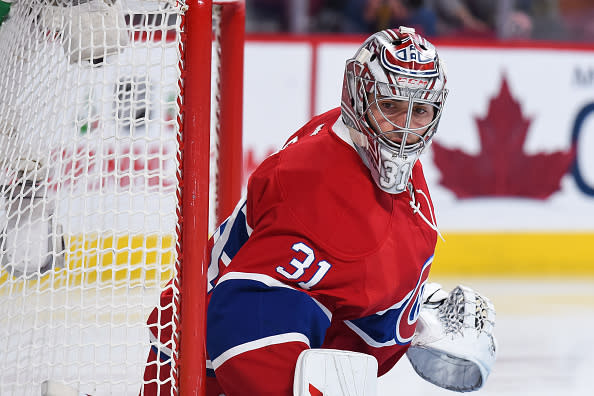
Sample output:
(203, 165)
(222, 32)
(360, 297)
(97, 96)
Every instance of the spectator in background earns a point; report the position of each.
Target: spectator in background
(516, 22)
(485, 19)
(265, 15)
(281, 15)
(364, 16)
(330, 17)
(538, 19)
(578, 17)
(476, 18)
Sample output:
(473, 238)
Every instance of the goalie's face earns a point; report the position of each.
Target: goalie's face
(399, 121)
(395, 125)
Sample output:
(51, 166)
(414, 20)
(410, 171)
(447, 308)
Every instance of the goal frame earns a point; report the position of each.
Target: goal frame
(121, 134)
(190, 364)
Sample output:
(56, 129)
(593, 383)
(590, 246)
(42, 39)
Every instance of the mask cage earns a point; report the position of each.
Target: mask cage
(368, 93)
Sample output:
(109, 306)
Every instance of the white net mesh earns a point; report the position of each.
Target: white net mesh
(88, 174)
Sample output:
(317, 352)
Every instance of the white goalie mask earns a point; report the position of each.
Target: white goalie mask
(392, 99)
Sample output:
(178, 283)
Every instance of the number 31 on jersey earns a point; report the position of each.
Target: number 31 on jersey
(297, 268)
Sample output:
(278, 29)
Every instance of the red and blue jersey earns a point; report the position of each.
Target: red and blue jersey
(315, 256)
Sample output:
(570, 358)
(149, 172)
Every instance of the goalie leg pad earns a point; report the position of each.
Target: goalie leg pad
(332, 372)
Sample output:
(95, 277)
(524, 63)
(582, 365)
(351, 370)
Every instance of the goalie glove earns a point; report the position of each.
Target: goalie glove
(454, 346)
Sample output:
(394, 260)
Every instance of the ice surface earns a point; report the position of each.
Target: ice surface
(544, 328)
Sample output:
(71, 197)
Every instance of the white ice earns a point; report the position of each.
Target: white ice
(544, 328)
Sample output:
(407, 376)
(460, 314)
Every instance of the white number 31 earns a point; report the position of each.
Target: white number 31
(301, 266)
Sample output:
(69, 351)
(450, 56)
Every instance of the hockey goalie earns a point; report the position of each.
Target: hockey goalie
(317, 283)
(38, 73)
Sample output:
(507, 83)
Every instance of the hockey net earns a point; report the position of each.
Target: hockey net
(101, 161)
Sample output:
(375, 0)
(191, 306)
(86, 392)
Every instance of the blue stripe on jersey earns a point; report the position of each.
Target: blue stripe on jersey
(380, 328)
(228, 239)
(237, 236)
(395, 325)
(242, 310)
(163, 357)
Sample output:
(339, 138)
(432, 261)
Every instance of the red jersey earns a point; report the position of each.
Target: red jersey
(316, 256)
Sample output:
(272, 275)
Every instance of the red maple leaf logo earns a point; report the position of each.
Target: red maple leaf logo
(502, 168)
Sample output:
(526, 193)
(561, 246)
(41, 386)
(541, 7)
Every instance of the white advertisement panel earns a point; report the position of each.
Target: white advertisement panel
(516, 131)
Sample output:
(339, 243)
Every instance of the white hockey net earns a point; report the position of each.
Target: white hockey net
(89, 166)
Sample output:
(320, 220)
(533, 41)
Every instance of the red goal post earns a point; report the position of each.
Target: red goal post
(120, 150)
(228, 86)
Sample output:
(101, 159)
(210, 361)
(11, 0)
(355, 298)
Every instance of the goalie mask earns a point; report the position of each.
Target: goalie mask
(392, 98)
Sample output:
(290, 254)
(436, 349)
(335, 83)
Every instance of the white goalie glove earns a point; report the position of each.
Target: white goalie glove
(454, 346)
(79, 21)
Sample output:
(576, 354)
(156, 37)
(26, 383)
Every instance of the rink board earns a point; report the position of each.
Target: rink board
(139, 260)
(515, 254)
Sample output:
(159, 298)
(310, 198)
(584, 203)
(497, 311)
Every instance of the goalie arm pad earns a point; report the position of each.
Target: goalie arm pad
(454, 346)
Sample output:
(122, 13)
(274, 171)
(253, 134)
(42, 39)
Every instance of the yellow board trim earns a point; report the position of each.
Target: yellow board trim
(106, 261)
(148, 260)
(515, 255)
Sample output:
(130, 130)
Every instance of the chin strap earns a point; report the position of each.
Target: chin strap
(416, 207)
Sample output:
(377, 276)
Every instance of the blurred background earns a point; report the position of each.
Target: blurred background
(505, 19)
